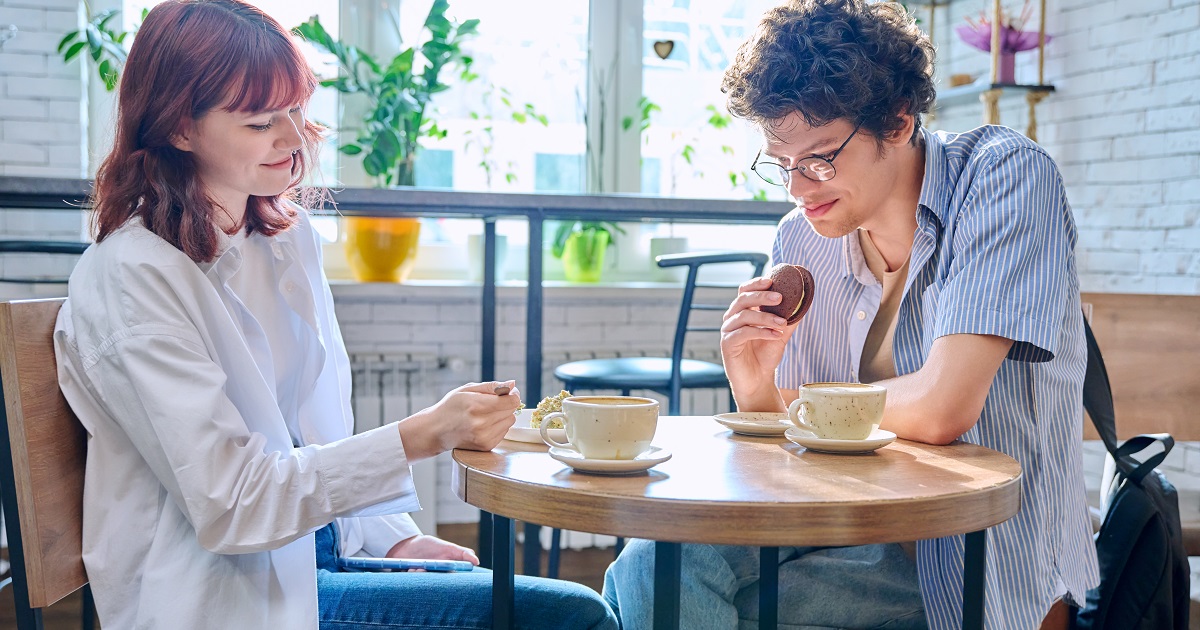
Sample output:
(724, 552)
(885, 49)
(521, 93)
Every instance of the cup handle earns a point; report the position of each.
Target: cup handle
(796, 415)
(545, 426)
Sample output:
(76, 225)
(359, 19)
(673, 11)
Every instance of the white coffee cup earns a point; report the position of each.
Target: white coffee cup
(606, 427)
(838, 411)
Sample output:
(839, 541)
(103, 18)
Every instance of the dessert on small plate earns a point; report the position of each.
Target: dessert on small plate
(573, 458)
(522, 432)
(878, 439)
(756, 423)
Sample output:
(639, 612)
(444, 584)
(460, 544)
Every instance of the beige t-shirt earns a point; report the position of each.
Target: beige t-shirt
(877, 363)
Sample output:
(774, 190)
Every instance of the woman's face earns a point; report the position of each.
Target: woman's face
(238, 154)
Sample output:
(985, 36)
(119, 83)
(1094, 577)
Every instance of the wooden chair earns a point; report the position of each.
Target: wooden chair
(42, 453)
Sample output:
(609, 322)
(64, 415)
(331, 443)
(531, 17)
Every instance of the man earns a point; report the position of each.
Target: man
(944, 271)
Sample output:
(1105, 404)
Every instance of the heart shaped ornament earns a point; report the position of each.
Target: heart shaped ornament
(663, 48)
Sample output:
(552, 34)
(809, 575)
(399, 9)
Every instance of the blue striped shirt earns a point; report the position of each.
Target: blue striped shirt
(993, 254)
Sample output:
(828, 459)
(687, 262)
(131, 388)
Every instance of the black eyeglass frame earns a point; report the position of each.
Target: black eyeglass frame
(803, 164)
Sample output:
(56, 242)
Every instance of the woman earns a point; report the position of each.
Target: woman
(199, 348)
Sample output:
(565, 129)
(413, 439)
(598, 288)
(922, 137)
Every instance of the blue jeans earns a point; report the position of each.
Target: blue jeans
(872, 586)
(378, 601)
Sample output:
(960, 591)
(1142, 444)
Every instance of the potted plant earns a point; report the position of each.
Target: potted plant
(581, 245)
(399, 96)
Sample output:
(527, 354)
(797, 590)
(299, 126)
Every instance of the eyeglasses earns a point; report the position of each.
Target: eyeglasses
(815, 167)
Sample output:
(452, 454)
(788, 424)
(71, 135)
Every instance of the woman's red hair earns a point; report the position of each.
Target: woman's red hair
(188, 58)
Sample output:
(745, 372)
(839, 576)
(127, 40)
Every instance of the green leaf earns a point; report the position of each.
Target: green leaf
(74, 50)
(375, 164)
(350, 149)
(93, 38)
(726, 149)
(733, 179)
(510, 177)
(687, 152)
(626, 123)
(68, 38)
(104, 17)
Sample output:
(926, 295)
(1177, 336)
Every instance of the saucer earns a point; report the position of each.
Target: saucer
(522, 432)
(576, 460)
(758, 423)
(878, 438)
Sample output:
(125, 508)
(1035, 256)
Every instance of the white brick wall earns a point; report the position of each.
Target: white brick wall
(41, 97)
(41, 133)
(1124, 127)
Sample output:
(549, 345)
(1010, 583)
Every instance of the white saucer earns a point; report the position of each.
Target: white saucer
(576, 460)
(878, 438)
(757, 423)
(522, 432)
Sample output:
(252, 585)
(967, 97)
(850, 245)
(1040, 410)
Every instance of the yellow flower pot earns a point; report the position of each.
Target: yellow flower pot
(583, 255)
(381, 249)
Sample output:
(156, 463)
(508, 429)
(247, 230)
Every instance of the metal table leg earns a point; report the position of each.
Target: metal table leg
(974, 569)
(503, 575)
(485, 539)
(768, 588)
(666, 585)
(532, 550)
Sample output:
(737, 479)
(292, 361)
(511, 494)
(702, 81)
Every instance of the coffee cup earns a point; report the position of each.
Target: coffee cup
(606, 427)
(838, 411)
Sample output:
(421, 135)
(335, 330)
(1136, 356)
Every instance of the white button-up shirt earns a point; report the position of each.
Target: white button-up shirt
(217, 403)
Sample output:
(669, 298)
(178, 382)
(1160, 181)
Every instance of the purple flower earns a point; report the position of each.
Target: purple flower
(979, 36)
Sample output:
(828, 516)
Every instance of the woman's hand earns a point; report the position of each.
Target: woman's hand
(752, 344)
(471, 417)
(422, 547)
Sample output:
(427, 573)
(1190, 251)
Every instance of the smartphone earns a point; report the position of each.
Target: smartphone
(403, 564)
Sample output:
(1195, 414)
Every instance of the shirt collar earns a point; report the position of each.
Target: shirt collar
(935, 196)
(229, 254)
(935, 188)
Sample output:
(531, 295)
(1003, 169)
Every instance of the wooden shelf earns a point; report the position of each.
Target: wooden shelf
(970, 93)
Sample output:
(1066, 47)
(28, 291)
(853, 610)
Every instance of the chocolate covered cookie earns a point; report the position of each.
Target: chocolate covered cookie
(797, 287)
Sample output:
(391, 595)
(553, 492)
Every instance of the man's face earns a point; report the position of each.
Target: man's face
(859, 189)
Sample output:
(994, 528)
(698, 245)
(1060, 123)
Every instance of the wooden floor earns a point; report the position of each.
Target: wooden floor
(584, 566)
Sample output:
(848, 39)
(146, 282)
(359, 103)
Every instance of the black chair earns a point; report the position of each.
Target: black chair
(40, 247)
(666, 376)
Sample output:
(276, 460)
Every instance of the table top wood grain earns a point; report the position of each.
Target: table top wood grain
(722, 488)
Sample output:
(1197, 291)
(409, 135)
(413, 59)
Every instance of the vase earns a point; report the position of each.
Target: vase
(1006, 73)
(381, 249)
(583, 255)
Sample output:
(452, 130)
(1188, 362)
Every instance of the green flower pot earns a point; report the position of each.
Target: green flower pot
(583, 255)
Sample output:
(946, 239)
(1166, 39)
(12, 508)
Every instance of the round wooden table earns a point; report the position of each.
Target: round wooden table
(722, 488)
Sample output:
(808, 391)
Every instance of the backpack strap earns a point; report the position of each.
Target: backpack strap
(1097, 394)
(1137, 444)
(1097, 399)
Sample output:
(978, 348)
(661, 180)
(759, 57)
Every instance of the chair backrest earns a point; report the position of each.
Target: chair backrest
(42, 454)
(694, 262)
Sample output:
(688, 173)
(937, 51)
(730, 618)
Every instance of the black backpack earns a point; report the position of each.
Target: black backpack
(1144, 574)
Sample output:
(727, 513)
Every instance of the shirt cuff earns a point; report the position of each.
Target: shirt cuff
(368, 474)
(381, 533)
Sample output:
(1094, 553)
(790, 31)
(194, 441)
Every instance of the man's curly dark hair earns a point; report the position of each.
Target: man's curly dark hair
(832, 59)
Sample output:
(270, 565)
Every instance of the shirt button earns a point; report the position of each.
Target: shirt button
(291, 286)
(861, 315)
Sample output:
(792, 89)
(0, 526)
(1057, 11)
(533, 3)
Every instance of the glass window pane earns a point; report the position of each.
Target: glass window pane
(700, 151)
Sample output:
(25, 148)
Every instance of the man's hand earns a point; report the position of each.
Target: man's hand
(752, 344)
(422, 547)
(471, 417)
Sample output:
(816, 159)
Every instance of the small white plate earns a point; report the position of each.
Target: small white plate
(878, 439)
(757, 423)
(576, 460)
(522, 432)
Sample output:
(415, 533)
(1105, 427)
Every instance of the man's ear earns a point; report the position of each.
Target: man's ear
(182, 138)
(902, 135)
